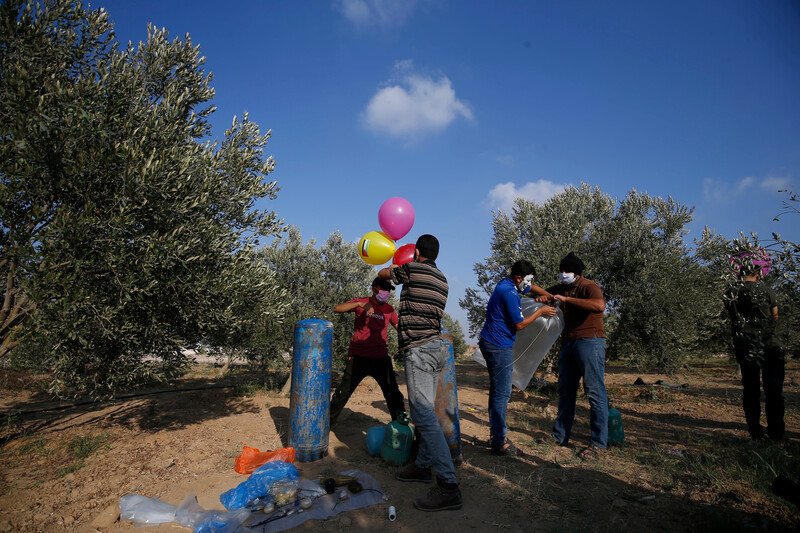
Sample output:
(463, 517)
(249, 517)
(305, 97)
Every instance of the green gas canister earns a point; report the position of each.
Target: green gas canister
(616, 435)
(397, 440)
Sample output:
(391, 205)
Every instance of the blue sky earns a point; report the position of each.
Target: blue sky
(459, 106)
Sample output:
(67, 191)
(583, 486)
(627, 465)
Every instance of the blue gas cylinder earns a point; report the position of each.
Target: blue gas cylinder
(616, 435)
(375, 440)
(447, 401)
(397, 440)
(309, 406)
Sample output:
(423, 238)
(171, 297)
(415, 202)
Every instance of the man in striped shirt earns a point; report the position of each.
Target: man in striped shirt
(419, 332)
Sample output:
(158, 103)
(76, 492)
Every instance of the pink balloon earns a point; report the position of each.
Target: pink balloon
(404, 254)
(396, 216)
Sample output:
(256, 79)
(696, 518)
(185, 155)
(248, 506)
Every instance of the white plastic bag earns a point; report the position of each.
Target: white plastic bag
(145, 511)
(532, 343)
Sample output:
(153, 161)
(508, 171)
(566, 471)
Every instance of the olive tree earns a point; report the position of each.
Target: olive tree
(127, 232)
(315, 279)
(632, 248)
(787, 253)
(782, 278)
(459, 342)
(541, 234)
(650, 281)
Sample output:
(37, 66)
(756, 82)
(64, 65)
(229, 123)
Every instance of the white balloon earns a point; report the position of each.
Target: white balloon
(532, 343)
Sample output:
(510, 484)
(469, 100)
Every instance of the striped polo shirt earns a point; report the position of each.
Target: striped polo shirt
(422, 302)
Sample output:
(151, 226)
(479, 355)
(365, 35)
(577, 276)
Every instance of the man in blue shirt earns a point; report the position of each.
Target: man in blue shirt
(503, 320)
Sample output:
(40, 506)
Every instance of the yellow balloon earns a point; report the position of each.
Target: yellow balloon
(376, 248)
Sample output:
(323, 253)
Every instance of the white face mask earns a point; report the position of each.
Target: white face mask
(382, 296)
(567, 278)
(525, 284)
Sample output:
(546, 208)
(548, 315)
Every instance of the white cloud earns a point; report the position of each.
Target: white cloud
(775, 184)
(723, 191)
(743, 185)
(502, 196)
(372, 13)
(414, 105)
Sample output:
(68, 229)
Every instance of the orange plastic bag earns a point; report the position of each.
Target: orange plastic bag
(251, 458)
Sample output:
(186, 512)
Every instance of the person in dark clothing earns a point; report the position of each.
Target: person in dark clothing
(753, 310)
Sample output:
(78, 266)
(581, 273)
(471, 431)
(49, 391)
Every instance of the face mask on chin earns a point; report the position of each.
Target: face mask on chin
(567, 278)
(382, 296)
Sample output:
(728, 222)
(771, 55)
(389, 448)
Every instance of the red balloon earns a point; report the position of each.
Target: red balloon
(404, 254)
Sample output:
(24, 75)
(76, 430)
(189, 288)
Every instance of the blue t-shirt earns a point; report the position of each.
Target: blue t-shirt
(502, 315)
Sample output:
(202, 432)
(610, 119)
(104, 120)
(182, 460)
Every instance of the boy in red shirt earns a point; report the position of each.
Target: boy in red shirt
(368, 354)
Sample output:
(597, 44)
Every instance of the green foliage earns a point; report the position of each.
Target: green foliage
(663, 300)
(649, 279)
(78, 449)
(34, 446)
(712, 252)
(316, 279)
(632, 248)
(716, 251)
(269, 382)
(346, 277)
(787, 283)
(69, 469)
(126, 233)
(82, 447)
(542, 234)
(459, 342)
(716, 463)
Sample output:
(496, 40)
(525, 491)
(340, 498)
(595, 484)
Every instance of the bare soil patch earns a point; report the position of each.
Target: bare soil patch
(686, 464)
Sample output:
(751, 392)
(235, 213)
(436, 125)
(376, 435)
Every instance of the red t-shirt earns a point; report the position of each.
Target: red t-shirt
(370, 329)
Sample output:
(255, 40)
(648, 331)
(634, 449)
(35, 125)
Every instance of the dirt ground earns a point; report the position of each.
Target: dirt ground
(172, 443)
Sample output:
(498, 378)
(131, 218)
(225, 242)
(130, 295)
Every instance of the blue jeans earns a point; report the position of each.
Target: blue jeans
(500, 364)
(582, 358)
(423, 365)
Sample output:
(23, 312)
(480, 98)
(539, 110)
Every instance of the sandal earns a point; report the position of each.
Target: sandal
(591, 452)
(508, 449)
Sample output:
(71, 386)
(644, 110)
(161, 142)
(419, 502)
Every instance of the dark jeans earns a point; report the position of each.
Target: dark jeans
(771, 371)
(500, 364)
(356, 370)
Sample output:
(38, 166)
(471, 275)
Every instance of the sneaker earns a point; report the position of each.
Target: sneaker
(412, 472)
(442, 497)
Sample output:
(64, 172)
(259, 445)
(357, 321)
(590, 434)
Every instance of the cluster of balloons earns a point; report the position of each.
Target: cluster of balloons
(751, 256)
(395, 217)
